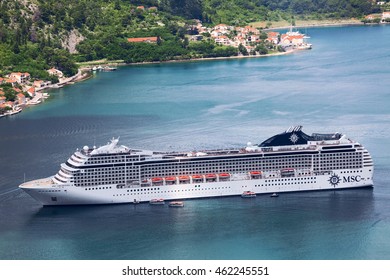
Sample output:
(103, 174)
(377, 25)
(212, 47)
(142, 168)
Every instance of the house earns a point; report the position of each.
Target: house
(2, 80)
(371, 16)
(143, 40)
(294, 40)
(2, 99)
(385, 15)
(11, 81)
(55, 72)
(20, 78)
(273, 37)
(21, 98)
(141, 8)
(222, 40)
(31, 91)
(17, 90)
(223, 28)
(41, 84)
(249, 29)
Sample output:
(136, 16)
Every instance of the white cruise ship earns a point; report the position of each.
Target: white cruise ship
(287, 162)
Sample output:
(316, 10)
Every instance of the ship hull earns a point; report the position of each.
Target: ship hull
(66, 194)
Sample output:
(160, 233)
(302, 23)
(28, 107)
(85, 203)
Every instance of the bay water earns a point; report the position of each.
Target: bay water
(341, 85)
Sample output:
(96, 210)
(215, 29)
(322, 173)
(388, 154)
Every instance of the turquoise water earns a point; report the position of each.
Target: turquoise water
(342, 84)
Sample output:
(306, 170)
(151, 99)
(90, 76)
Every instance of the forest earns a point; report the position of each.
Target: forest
(38, 34)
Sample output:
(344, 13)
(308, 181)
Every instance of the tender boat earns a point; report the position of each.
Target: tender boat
(176, 204)
(157, 201)
(248, 194)
(274, 195)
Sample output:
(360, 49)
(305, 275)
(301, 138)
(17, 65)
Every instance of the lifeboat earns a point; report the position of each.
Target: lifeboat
(211, 177)
(255, 174)
(197, 178)
(184, 178)
(157, 179)
(224, 176)
(170, 180)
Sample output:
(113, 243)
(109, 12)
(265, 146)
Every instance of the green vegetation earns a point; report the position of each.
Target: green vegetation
(36, 35)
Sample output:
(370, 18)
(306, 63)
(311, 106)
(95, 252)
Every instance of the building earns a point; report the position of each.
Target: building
(143, 40)
(293, 40)
(273, 37)
(222, 40)
(20, 78)
(385, 16)
(31, 91)
(41, 84)
(55, 72)
(21, 99)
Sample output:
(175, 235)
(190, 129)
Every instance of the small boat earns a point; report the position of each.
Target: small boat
(157, 201)
(274, 195)
(108, 68)
(176, 204)
(248, 194)
(305, 47)
(136, 201)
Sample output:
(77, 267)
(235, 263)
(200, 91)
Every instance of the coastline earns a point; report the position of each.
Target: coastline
(85, 68)
(108, 63)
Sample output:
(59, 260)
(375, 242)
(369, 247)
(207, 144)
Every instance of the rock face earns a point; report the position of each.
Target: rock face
(71, 40)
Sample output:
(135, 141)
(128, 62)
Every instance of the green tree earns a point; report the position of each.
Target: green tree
(242, 50)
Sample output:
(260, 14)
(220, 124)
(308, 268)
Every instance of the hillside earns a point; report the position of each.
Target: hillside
(38, 34)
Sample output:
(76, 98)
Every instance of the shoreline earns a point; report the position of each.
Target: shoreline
(88, 68)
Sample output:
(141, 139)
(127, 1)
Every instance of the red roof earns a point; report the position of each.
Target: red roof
(142, 40)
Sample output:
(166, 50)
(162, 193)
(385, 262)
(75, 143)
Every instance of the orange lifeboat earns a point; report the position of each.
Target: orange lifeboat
(184, 178)
(211, 177)
(197, 178)
(157, 180)
(224, 176)
(170, 179)
(255, 174)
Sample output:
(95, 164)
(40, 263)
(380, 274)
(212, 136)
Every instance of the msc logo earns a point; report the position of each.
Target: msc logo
(351, 179)
(334, 180)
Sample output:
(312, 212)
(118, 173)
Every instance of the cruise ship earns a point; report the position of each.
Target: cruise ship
(287, 162)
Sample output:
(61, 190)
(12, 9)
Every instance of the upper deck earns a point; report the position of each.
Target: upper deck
(292, 140)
